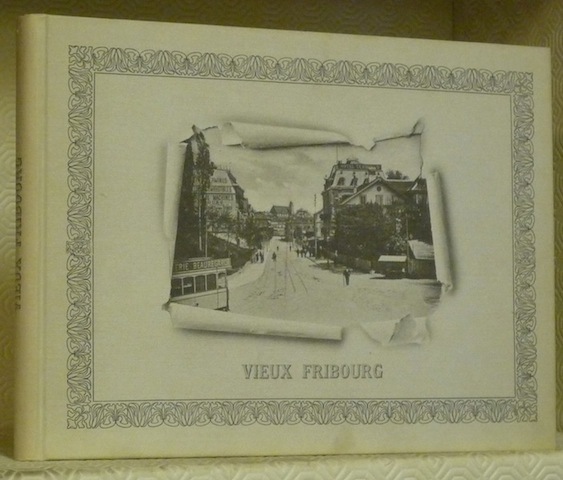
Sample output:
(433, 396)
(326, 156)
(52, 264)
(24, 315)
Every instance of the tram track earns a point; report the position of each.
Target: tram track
(292, 278)
(281, 278)
(300, 278)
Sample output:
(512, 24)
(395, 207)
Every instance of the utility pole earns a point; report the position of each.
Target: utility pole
(315, 225)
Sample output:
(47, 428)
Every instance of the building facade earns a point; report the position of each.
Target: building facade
(280, 216)
(344, 180)
(221, 195)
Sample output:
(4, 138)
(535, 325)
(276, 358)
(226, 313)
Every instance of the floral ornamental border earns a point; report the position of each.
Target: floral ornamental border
(86, 61)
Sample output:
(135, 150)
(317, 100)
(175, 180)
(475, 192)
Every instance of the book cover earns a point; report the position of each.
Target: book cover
(257, 242)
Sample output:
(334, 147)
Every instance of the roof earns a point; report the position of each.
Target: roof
(400, 187)
(302, 213)
(419, 185)
(261, 214)
(421, 250)
(392, 258)
(280, 210)
(350, 166)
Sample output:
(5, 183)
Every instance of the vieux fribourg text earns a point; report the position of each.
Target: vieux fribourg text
(312, 371)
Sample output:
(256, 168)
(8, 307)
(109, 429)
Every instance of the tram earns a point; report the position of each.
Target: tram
(201, 282)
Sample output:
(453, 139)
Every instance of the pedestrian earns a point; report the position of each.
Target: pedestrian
(347, 276)
(274, 256)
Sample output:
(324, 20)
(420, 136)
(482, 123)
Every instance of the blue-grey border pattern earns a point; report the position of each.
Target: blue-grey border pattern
(83, 412)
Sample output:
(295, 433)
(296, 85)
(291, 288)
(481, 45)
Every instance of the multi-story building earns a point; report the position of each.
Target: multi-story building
(227, 205)
(355, 183)
(381, 191)
(302, 226)
(279, 218)
(242, 202)
(221, 195)
(344, 180)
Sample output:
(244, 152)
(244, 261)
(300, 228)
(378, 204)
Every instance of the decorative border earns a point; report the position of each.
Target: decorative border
(86, 61)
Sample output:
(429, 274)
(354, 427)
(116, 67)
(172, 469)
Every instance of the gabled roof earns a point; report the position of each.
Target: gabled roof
(419, 185)
(261, 214)
(280, 210)
(400, 187)
(421, 250)
(392, 258)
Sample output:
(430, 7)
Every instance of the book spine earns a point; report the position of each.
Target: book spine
(30, 148)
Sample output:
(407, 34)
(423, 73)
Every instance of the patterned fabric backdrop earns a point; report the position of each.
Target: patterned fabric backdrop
(513, 21)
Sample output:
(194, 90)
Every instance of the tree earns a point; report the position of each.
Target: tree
(252, 233)
(192, 212)
(418, 222)
(363, 230)
(220, 221)
(203, 170)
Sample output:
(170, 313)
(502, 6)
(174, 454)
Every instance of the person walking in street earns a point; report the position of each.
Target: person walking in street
(346, 274)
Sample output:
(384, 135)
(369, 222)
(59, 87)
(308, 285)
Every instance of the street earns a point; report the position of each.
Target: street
(304, 289)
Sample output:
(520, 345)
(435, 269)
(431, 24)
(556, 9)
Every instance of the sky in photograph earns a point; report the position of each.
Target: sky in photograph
(276, 176)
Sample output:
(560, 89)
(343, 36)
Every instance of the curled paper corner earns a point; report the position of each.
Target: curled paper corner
(262, 136)
(447, 287)
(410, 330)
(202, 319)
(439, 226)
(405, 331)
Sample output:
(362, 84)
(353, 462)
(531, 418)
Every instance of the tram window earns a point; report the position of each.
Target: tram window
(200, 283)
(188, 285)
(222, 280)
(212, 281)
(176, 290)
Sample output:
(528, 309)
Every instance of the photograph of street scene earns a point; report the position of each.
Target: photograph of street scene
(303, 225)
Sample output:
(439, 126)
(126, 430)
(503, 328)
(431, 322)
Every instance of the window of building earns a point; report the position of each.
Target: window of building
(188, 284)
(176, 290)
(341, 181)
(182, 286)
(200, 283)
(212, 281)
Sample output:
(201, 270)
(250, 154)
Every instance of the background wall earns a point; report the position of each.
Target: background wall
(519, 22)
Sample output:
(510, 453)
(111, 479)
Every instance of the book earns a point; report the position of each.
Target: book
(258, 242)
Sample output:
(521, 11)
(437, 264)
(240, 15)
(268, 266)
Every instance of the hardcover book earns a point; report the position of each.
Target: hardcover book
(255, 242)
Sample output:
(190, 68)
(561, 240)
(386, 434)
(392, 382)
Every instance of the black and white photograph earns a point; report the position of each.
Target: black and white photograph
(302, 225)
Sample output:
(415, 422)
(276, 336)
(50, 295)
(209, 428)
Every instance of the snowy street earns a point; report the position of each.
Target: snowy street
(298, 288)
